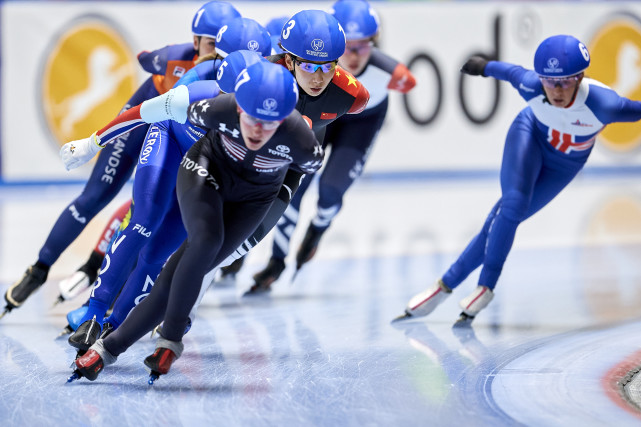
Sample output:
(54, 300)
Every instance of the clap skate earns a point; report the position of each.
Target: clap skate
(425, 302)
(308, 246)
(86, 335)
(17, 293)
(92, 362)
(160, 361)
(72, 286)
(263, 279)
(473, 304)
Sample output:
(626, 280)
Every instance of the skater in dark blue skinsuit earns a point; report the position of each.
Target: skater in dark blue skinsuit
(226, 184)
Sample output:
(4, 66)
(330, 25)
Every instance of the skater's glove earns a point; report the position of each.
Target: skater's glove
(475, 66)
(77, 153)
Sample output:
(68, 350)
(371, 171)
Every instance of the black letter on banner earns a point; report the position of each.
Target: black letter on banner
(437, 95)
(497, 88)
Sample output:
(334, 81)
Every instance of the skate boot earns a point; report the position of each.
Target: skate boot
(160, 361)
(86, 335)
(92, 362)
(473, 304)
(308, 246)
(32, 279)
(425, 302)
(72, 286)
(263, 279)
(228, 276)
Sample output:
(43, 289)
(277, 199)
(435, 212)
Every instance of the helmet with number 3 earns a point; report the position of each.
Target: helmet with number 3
(211, 17)
(357, 18)
(561, 56)
(233, 65)
(266, 91)
(313, 35)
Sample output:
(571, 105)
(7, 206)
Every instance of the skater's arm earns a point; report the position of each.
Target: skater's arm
(171, 105)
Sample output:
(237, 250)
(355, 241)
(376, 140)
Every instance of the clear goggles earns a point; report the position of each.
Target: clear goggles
(359, 47)
(311, 67)
(562, 82)
(264, 124)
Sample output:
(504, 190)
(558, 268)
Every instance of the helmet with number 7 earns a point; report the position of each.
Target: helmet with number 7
(357, 18)
(266, 91)
(313, 35)
(561, 56)
(211, 17)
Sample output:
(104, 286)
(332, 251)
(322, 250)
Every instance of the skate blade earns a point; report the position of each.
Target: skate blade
(65, 331)
(75, 376)
(257, 293)
(153, 376)
(57, 301)
(464, 321)
(155, 331)
(402, 317)
(4, 313)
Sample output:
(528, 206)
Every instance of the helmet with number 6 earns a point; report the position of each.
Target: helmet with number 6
(211, 17)
(243, 34)
(266, 91)
(561, 56)
(313, 35)
(232, 66)
(357, 18)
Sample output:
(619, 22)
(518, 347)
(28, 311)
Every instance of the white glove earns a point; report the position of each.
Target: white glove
(171, 105)
(77, 153)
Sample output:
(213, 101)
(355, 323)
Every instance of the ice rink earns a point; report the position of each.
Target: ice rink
(552, 349)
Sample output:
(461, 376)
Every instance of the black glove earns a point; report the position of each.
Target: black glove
(475, 66)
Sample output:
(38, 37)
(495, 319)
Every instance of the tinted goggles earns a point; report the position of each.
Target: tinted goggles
(564, 82)
(311, 67)
(265, 124)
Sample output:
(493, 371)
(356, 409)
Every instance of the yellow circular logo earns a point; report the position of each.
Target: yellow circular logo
(87, 78)
(616, 56)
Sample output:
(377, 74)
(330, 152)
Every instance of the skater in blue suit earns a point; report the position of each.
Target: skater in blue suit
(546, 146)
(154, 229)
(116, 162)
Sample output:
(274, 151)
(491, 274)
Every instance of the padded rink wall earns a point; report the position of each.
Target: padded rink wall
(55, 53)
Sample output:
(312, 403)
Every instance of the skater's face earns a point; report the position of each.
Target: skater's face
(256, 132)
(357, 53)
(312, 76)
(561, 92)
(204, 45)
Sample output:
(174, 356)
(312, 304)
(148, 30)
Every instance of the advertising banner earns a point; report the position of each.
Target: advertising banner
(69, 67)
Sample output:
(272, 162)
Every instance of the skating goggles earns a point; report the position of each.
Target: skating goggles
(359, 48)
(311, 67)
(265, 124)
(563, 82)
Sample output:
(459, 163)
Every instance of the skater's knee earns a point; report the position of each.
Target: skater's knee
(515, 205)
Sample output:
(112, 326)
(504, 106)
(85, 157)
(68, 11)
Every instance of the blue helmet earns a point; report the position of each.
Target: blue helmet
(357, 18)
(561, 56)
(231, 67)
(313, 35)
(243, 34)
(266, 91)
(275, 25)
(211, 16)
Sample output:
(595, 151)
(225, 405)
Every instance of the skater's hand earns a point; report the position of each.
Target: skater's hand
(475, 66)
(77, 153)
